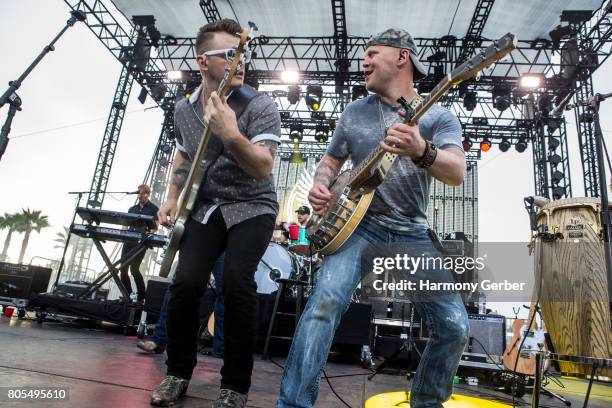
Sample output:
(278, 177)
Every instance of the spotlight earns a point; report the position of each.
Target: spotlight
(285, 114)
(469, 100)
(321, 134)
(296, 133)
(553, 143)
(174, 75)
(501, 98)
(558, 192)
(521, 144)
(314, 93)
(553, 124)
(531, 81)
(485, 145)
(293, 95)
(554, 159)
(559, 33)
(586, 117)
(317, 115)
(504, 145)
(358, 91)
(467, 144)
(557, 177)
(544, 104)
(289, 76)
(480, 122)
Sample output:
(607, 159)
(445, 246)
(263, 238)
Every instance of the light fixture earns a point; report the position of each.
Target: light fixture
(314, 93)
(557, 177)
(296, 133)
(480, 121)
(485, 145)
(501, 98)
(469, 100)
(521, 144)
(558, 192)
(174, 75)
(467, 144)
(358, 92)
(321, 134)
(531, 81)
(293, 94)
(554, 159)
(553, 143)
(504, 145)
(289, 76)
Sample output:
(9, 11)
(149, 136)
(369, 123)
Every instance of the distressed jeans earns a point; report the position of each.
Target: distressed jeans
(446, 321)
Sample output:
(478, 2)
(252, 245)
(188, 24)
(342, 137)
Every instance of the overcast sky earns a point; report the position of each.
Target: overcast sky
(55, 140)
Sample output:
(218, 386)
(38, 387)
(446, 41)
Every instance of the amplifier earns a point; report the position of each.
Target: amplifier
(19, 281)
(72, 289)
(487, 335)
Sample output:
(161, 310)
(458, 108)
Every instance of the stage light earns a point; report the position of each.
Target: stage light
(480, 122)
(553, 124)
(289, 76)
(501, 98)
(314, 93)
(321, 134)
(504, 145)
(317, 115)
(558, 192)
(296, 133)
(586, 117)
(293, 95)
(521, 144)
(467, 144)
(554, 159)
(553, 143)
(557, 177)
(559, 33)
(485, 145)
(174, 75)
(469, 100)
(531, 81)
(545, 104)
(358, 91)
(285, 114)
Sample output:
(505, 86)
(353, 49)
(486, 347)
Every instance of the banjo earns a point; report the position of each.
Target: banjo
(197, 171)
(353, 190)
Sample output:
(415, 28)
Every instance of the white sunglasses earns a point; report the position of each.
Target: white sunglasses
(229, 53)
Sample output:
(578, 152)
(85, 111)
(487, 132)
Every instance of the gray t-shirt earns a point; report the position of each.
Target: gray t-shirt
(400, 202)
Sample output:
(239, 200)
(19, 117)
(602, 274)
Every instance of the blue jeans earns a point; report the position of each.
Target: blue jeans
(160, 336)
(446, 320)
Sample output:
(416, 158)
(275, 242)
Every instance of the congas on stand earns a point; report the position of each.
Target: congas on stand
(574, 294)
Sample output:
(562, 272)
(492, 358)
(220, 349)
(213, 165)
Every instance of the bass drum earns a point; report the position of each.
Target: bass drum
(276, 263)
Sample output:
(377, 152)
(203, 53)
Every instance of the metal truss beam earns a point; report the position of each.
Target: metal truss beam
(110, 139)
(210, 10)
(341, 44)
(473, 37)
(595, 46)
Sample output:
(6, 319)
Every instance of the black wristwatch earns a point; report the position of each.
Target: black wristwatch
(428, 157)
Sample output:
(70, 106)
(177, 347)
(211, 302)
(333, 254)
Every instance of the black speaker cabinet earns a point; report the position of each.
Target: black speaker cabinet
(22, 281)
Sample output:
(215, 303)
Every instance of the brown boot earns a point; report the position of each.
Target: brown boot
(169, 391)
(150, 346)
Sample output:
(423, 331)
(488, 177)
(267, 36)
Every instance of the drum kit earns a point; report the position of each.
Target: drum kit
(287, 259)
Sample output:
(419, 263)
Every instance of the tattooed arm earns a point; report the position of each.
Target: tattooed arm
(256, 159)
(319, 195)
(180, 171)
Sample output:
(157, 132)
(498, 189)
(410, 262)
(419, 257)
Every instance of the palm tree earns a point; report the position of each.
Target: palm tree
(30, 221)
(61, 238)
(8, 221)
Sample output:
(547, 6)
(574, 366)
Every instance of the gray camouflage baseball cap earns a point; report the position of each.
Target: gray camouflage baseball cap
(398, 38)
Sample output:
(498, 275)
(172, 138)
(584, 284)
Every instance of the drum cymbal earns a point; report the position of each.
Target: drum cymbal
(300, 249)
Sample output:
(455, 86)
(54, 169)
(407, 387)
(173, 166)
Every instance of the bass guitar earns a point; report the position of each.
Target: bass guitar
(198, 169)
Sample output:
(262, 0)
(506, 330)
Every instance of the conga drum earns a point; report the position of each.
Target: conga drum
(574, 296)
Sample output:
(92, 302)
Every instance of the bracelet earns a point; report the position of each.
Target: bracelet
(428, 157)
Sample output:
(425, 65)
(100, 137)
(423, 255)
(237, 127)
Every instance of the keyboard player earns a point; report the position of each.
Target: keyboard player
(143, 207)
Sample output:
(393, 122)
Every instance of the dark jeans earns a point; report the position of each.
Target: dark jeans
(244, 245)
(134, 267)
(159, 334)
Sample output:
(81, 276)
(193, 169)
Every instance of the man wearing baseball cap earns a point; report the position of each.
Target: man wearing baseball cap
(303, 215)
(397, 214)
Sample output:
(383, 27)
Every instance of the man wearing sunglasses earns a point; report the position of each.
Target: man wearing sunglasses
(234, 213)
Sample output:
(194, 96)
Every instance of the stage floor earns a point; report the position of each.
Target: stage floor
(102, 368)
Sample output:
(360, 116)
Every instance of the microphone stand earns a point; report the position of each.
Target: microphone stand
(10, 95)
(606, 222)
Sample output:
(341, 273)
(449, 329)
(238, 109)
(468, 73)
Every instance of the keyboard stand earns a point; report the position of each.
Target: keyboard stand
(113, 269)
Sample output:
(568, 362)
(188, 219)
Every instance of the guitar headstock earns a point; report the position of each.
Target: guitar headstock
(486, 57)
